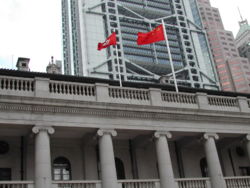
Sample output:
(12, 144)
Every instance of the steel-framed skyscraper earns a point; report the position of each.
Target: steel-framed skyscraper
(96, 19)
(242, 40)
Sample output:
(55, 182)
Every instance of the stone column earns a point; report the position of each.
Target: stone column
(107, 158)
(214, 167)
(164, 160)
(248, 145)
(42, 156)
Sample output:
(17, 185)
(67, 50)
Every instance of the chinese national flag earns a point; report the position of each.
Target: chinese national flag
(153, 36)
(111, 40)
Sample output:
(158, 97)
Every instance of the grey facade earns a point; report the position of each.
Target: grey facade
(59, 131)
(189, 48)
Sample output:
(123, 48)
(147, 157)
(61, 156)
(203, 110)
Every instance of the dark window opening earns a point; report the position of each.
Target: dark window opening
(61, 169)
(204, 168)
(120, 171)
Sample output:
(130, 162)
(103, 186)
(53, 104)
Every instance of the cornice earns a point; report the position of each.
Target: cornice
(124, 111)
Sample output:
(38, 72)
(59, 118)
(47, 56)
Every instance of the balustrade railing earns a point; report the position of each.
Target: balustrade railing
(139, 183)
(43, 87)
(16, 84)
(128, 93)
(222, 101)
(231, 182)
(68, 88)
(193, 183)
(16, 184)
(238, 182)
(179, 97)
(77, 184)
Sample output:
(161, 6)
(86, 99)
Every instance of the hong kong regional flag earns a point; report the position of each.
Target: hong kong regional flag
(111, 40)
(153, 36)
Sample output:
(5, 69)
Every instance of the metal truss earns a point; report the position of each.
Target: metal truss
(111, 10)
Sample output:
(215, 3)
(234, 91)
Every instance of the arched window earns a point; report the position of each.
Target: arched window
(119, 168)
(61, 169)
(204, 168)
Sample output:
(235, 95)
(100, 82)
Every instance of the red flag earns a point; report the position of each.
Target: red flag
(111, 40)
(153, 36)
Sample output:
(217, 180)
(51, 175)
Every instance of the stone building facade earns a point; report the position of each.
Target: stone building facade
(62, 131)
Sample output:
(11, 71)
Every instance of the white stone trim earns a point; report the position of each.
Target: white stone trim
(158, 134)
(101, 132)
(209, 135)
(248, 137)
(37, 129)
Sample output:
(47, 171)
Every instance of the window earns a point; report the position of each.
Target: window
(120, 171)
(204, 168)
(5, 174)
(61, 169)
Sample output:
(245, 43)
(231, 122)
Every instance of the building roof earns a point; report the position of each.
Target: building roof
(91, 80)
(244, 27)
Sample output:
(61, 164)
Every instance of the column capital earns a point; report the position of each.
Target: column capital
(37, 129)
(248, 137)
(209, 135)
(111, 132)
(158, 134)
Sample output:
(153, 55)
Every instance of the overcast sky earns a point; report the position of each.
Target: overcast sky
(32, 28)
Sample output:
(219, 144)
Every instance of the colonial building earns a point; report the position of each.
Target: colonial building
(63, 131)
(54, 67)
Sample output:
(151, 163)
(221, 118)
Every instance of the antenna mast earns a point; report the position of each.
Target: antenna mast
(240, 14)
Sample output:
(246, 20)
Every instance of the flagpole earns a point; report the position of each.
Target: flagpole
(157, 62)
(118, 64)
(170, 56)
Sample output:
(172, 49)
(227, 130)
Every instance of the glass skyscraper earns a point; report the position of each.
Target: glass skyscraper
(87, 22)
(233, 70)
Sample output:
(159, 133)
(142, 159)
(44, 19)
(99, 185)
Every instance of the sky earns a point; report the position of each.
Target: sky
(230, 14)
(32, 29)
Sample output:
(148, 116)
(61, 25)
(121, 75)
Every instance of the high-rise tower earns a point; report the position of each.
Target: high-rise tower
(243, 39)
(97, 19)
(233, 70)
(72, 52)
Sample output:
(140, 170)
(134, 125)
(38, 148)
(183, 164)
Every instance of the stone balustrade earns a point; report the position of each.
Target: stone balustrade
(231, 182)
(129, 95)
(184, 98)
(193, 182)
(139, 183)
(77, 184)
(16, 86)
(16, 184)
(222, 101)
(74, 91)
(42, 87)
(71, 88)
(238, 182)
